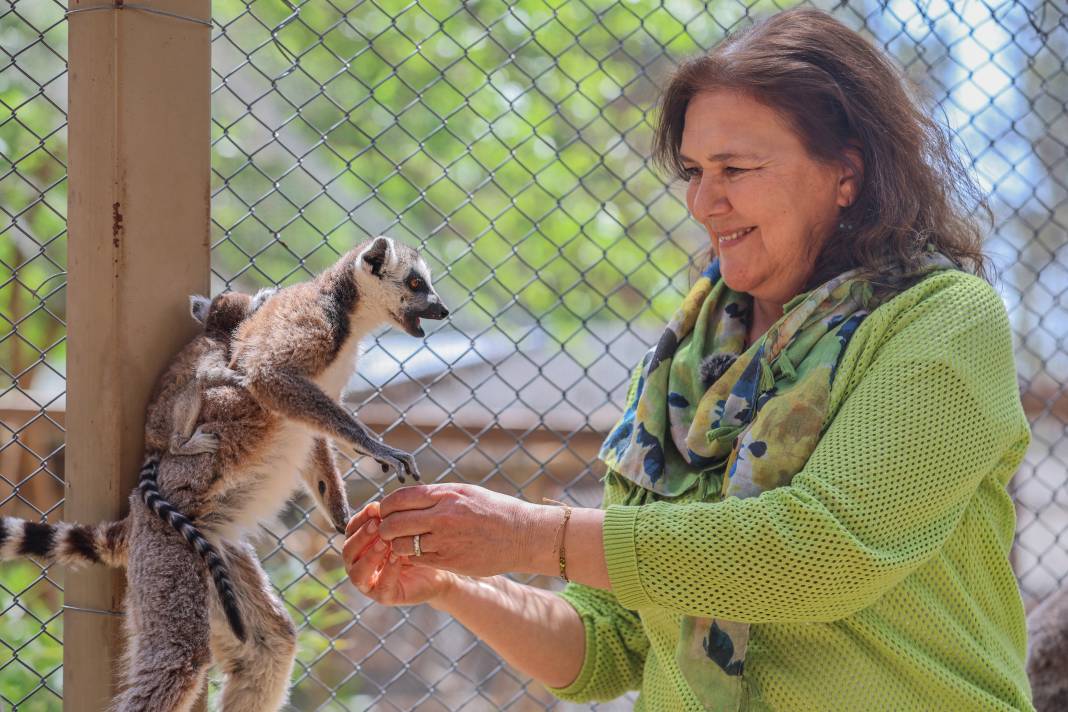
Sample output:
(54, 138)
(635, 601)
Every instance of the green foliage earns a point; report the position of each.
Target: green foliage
(31, 639)
(33, 191)
(511, 140)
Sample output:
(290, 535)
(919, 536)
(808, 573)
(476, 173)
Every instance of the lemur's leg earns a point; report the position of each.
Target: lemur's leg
(297, 397)
(323, 480)
(212, 371)
(167, 618)
(184, 414)
(257, 671)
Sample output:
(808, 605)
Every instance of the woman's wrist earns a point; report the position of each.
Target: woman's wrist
(445, 598)
(540, 548)
(581, 541)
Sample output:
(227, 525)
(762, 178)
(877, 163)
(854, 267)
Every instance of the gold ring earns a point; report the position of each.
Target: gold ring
(418, 550)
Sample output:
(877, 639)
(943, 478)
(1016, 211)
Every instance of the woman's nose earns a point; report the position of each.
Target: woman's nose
(709, 200)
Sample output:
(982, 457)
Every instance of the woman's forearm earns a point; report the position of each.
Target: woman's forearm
(583, 545)
(534, 630)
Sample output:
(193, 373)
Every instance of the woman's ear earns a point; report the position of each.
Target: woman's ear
(850, 177)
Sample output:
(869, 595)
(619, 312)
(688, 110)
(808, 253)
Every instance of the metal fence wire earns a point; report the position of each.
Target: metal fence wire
(509, 141)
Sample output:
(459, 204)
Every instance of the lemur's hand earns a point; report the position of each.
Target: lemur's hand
(220, 376)
(198, 443)
(401, 461)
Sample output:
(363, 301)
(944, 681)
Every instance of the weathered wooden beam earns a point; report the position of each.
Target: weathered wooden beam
(138, 217)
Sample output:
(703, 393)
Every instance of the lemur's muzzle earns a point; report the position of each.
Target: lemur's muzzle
(433, 310)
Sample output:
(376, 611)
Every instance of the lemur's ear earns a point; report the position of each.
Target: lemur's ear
(260, 297)
(378, 255)
(198, 307)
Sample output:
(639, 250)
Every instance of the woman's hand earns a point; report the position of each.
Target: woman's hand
(469, 529)
(382, 575)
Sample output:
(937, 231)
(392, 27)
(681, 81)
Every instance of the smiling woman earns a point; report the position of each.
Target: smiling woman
(746, 165)
(805, 506)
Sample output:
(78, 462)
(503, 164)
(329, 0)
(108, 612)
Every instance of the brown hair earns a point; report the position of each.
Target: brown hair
(838, 91)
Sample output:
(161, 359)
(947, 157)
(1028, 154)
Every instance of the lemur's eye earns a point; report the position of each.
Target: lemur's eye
(415, 284)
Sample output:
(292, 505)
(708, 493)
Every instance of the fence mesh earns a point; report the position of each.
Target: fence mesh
(509, 141)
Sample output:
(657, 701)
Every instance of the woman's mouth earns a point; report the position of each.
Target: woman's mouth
(726, 238)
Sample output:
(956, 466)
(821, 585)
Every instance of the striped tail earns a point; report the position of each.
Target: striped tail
(149, 489)
(64, 543)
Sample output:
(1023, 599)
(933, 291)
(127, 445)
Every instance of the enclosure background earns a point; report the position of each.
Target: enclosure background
(509, 142)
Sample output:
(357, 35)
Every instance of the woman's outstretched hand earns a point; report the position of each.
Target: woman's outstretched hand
(468, 529)
(379, 573)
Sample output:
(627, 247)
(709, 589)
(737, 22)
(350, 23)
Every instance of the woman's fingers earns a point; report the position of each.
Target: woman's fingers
(413, 497)
(363, 572)
(406, 524)
(358, 542)
(405, 545)
(387, 584)
(370, 510)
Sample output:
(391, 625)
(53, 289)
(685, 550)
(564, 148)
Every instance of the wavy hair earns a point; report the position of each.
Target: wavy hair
(838, 92)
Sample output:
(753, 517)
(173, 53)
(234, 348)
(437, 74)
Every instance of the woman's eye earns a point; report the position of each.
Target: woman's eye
(691, 173)
(734, 170)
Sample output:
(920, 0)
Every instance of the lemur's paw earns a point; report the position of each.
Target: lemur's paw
(388, 462)
(198, 443)
(409, 465)
(400, 461)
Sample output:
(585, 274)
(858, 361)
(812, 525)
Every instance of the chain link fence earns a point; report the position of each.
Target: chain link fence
(510, 142)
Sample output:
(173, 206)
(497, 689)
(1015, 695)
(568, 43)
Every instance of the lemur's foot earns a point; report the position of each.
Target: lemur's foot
(399, 460)
(198, 443)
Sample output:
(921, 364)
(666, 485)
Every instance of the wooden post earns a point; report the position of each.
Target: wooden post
(138, 216)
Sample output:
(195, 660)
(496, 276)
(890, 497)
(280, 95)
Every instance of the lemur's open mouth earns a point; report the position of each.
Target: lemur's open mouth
(410, 322)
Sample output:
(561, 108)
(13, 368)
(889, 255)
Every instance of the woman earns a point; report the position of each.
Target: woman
(805, 505)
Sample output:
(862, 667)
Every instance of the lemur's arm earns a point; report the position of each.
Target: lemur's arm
(297, 397)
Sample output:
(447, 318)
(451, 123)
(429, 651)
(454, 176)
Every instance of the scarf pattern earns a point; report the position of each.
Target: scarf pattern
(708, 416)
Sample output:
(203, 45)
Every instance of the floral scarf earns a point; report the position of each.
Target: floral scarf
(706, 414)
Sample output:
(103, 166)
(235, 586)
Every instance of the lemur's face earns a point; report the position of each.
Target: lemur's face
(222, 314)
(398, 279)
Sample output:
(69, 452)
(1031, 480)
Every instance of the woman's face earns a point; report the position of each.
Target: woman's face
(767, 205)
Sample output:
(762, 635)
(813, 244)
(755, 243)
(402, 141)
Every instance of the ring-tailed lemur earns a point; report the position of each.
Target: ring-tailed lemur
(295, 355)
(169, 431)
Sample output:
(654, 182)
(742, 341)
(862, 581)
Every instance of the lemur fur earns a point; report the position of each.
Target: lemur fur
(170, 420)
(298, 351)
(169, 428)
(294, 355)
(174, 406)
(1047, 652)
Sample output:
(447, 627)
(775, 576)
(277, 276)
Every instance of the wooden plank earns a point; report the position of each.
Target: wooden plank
(138, 216)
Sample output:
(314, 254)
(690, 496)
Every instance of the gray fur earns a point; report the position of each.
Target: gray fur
(290, 360)
(257, 673)
(297, 351)
(1047, 656)
(293, 354)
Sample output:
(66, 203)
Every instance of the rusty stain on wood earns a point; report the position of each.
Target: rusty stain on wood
(116, 224)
